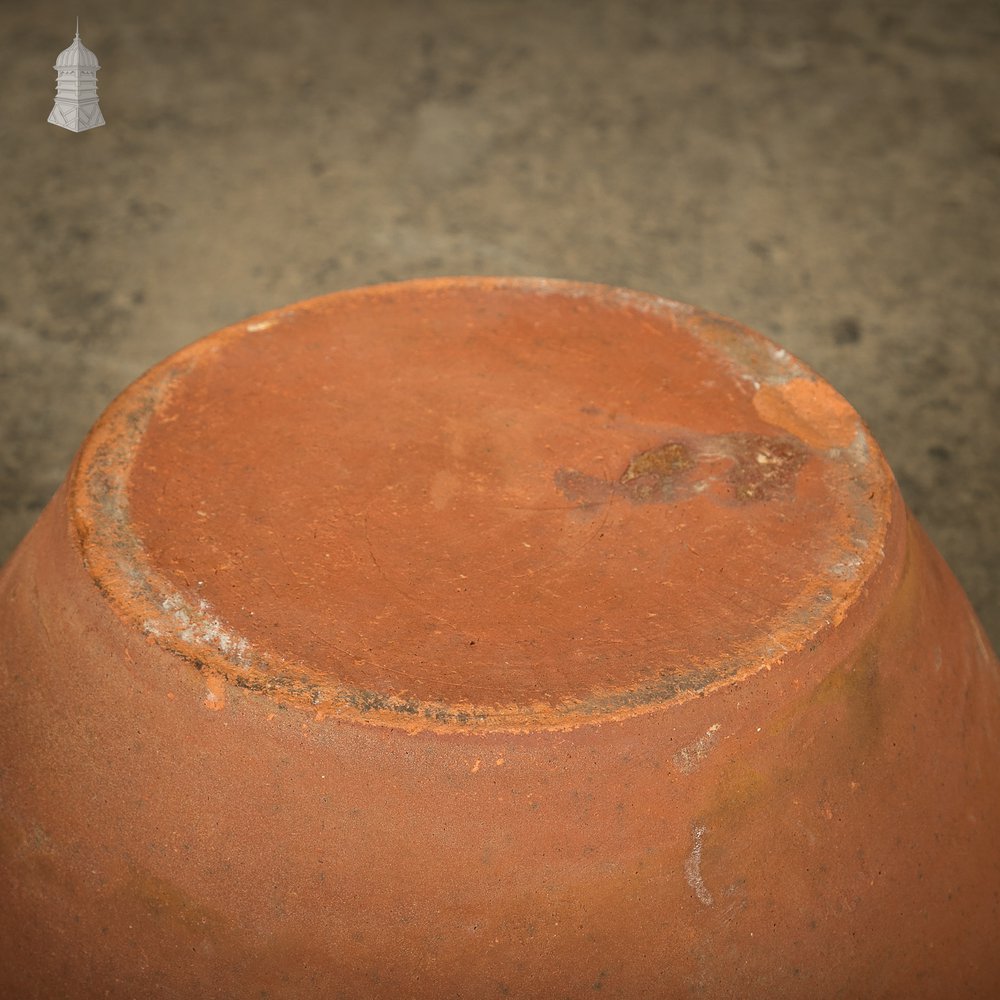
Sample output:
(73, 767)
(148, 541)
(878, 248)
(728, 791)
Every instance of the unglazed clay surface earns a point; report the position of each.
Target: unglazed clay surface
(491, 637)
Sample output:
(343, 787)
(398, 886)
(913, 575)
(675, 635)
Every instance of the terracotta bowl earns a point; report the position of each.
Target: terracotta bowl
(481, 638)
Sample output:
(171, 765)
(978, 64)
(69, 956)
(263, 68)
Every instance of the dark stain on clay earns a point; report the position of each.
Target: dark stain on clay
(650, 475)
(744, 468)
(582, 489)
(850, 701)
(764, 467)
(169, 907)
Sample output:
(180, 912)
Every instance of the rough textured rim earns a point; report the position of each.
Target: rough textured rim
(115, 559)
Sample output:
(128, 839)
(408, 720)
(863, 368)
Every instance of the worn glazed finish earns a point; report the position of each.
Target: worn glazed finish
(473, 638)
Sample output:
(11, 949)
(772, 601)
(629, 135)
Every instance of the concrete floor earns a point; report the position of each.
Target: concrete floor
(827, 173)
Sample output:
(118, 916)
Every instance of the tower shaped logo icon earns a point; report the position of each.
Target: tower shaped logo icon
(76, 106)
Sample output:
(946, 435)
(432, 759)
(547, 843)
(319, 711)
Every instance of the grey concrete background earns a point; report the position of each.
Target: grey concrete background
(828, 173)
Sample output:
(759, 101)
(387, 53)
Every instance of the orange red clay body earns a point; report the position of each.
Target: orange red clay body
(491, 637)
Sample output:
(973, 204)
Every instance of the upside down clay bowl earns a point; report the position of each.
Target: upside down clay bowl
(481, 638)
